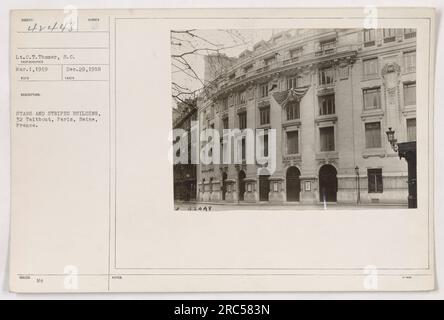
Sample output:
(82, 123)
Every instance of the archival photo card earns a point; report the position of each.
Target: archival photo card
(211, 150)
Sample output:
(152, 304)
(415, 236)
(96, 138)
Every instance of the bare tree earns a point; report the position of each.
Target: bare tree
(188, 50)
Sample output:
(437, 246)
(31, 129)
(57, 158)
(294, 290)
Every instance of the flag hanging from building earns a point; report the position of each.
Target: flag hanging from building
(292, 94)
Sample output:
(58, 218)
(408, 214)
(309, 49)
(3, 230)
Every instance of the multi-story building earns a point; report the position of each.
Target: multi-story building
(184, 174)
(330, 95)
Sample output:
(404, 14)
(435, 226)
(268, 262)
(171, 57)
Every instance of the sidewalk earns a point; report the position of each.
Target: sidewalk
(217, 206)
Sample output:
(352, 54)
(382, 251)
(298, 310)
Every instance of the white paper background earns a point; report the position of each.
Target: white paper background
(4, 143)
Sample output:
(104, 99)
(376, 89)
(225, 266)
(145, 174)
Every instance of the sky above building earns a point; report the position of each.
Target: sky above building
(198, 43)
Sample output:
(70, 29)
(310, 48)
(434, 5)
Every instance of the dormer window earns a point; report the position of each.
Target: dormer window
(248, 68)
(293, 55)
(268, 61)
(328, 45)
(245, 54)
(259, 45)
(296, 52)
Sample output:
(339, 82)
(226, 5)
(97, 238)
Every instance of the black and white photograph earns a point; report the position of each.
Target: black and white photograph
(294, 118)
(224, 151)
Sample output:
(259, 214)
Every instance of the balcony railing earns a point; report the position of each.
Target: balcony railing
(389, 39)
(264, 68)
(325, 52)
(291, 60)
(410, 35)
(241, 77)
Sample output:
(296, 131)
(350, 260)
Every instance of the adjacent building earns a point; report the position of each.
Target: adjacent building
(330, 95)
(185, 174)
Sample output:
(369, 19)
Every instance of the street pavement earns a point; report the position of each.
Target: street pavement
(206, 207)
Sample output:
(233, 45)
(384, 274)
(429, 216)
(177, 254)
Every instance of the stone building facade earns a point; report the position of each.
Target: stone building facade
(184, 174)
(330, 94)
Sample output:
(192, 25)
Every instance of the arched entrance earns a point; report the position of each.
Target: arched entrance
(241, 187)
(293, 184)
(224, 185)
(328, 183)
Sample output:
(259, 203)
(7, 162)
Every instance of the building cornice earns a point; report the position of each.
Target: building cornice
(307, 62)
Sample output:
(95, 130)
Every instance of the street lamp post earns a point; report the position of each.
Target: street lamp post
(406, 150)
(358, 185)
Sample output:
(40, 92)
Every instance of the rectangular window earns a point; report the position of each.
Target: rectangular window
(264, 115)
(409, 33)
(326, 76)
(243, 148)
(237, 98)
(230, 100)
(327, 104)
(292, 142)
(328, 45)
(248, 68)
(293, 110)
(411, 129)
(263, 90)
(373, 135)
(269, 61)
(371, 67)
(372, 98)
(410, 94)
(389, 35)
(295, 53)
(240, 98)
(327, 138)
(293, 82)
(374, 180)
(409, 61)
(265, 144)
(225, 123)
(369, 37)
(243, 97)
(225, 104)
(242, 120)
(223, 151)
